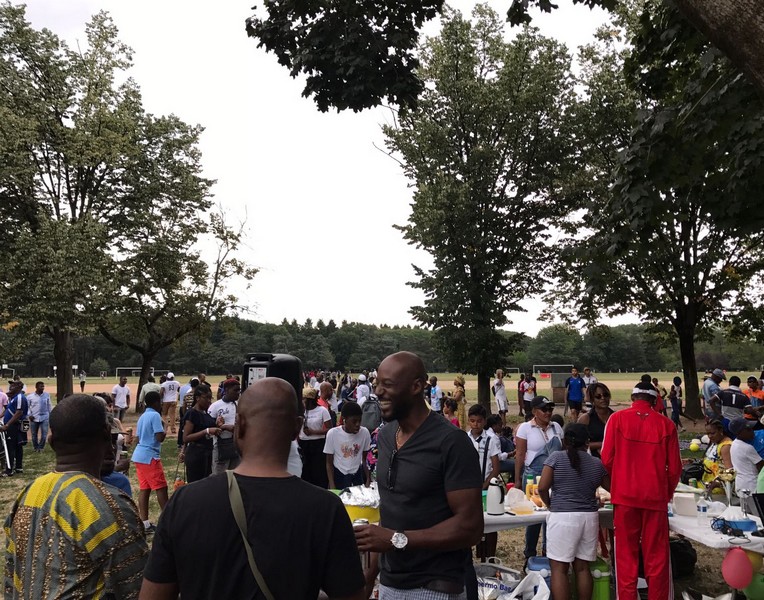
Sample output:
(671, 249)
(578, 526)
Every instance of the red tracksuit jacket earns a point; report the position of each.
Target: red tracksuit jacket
(641, 453)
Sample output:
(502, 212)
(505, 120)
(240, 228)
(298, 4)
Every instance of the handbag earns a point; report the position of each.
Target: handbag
(226, 449)
(237, 506)
(179, 482)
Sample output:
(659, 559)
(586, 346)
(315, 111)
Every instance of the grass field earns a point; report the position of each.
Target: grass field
(707, 576)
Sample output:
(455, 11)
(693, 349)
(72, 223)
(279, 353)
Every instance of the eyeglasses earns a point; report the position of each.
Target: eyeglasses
(391, 472)
(546, 408)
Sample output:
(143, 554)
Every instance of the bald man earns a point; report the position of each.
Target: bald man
(292, 526)
(430, 486)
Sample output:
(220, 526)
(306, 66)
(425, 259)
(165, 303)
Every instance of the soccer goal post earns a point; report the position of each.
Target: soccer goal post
(552, 368)
(133, 371)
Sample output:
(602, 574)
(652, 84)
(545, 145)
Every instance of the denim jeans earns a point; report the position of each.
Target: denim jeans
(41, 428)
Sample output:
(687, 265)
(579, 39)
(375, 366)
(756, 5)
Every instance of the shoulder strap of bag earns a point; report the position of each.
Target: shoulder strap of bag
(485, 454)
(237, 506)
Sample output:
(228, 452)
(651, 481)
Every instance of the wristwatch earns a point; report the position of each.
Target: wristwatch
(399, 540)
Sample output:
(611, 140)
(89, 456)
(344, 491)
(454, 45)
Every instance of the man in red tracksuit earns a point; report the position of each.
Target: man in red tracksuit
(641, 453)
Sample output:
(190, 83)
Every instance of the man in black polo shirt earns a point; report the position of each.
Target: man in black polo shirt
(429, 483)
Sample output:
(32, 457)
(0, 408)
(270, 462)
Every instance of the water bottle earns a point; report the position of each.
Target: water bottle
(702, 512)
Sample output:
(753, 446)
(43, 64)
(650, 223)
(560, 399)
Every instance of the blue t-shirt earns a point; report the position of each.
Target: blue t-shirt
(710, 389)
(576, 387)
(18, 401)
(758, 441)
(148, 426)
(119, 481)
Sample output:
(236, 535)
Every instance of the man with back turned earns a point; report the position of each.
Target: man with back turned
(290, 525)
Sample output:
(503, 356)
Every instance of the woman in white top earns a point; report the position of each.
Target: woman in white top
(312, 438)
(535, 440)
(500, 393)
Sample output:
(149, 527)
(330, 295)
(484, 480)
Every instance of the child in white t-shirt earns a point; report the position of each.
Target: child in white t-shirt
(345, 448)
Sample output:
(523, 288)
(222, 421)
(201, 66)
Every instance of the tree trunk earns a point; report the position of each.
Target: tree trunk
(146, 360)
(690, 370)
(484, 389)
(63, 352)
(736, 27)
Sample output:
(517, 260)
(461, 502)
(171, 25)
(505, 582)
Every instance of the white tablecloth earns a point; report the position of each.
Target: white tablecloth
(689, 528)
(685, 526)
(501, 522)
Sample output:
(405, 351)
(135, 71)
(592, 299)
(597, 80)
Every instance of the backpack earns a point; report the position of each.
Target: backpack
(692, 470)
(371, 414)
(683, 558)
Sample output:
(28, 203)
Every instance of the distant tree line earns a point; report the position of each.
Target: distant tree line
(223, 345)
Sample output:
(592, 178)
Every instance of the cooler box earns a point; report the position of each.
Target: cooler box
(600, 570)
(260, 365)
(541, 565)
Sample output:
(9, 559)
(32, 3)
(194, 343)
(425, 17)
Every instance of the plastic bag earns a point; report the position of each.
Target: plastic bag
(495, 580)
(532, 587)
(513, 497)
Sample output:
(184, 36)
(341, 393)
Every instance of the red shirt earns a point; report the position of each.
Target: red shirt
(641, 453)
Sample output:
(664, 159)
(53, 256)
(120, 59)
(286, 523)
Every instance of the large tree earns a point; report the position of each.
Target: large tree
(80, 154)
(671, 240)
(166, 289)
(359, 53)
(487, 151)
(67, 130)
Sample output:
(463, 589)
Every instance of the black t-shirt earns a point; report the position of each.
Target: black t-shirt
(201, 421)
(301, 537)
(437, 459)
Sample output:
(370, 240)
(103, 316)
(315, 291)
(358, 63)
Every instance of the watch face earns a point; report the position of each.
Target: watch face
(399, 540)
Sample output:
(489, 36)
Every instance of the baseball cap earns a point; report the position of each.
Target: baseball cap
(738, 424)
(541, 402)
(362, 377)
(719, 373)
(170, 375)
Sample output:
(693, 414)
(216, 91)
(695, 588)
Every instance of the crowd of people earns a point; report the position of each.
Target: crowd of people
(77, 532)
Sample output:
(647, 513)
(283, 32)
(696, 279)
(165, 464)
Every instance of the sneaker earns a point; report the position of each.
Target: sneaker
(19, 470)
(4, 474)
(150, 529)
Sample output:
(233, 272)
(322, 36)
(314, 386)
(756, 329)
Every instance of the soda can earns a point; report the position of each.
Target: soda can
(365, 556)
(693, 483)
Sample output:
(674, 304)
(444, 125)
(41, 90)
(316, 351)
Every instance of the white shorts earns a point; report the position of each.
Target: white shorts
(571, 535)
(501, 403)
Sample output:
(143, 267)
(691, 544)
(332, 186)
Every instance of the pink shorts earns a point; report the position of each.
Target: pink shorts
(151, 476)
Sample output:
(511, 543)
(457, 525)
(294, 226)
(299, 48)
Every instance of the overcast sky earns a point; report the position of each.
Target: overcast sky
(319, 200)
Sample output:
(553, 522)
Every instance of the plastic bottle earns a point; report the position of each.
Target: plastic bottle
(702, 512)
(529, 486)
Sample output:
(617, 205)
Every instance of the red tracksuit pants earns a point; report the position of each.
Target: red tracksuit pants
(646, 530)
